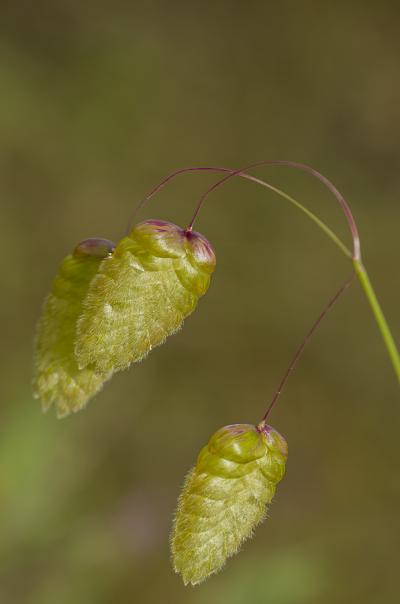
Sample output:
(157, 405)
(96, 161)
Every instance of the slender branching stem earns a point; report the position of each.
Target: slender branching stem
(354, 256)
(324, 227)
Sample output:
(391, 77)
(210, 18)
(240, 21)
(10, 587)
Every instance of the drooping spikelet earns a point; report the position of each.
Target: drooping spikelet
(109, 306)
(142, 294)
(224, 497)
(58, 379)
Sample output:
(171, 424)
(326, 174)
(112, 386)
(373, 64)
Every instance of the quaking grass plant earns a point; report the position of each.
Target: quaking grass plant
(110, 304)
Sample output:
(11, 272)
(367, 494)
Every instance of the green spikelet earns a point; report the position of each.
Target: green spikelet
(109, 306)
(224, 497)
(58, 379)
(142, 294)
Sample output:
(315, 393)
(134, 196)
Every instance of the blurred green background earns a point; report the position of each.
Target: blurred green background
(98, 102)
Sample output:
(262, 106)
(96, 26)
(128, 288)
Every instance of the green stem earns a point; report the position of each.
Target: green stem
(379, 316)
(363, 278)
(343, 248)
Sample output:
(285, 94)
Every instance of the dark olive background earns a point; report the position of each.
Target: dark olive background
(99, 101)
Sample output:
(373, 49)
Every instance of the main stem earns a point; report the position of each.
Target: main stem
(378, 314)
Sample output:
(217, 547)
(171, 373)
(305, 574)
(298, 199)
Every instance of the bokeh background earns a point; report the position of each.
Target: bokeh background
(98, 102)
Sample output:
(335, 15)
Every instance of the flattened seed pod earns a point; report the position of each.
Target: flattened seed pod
(142, 294)
(58, 379)
(224, 497)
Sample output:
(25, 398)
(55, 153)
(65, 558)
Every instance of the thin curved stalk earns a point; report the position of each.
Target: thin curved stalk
(302, 346)
(304, 168)
(324, 227)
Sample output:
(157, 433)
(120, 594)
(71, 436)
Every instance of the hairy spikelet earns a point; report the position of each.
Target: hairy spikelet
(224, 497)
(58, 379)
(109, 306)
(142, 294)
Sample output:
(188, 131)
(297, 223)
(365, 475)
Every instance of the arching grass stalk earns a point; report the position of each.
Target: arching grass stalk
(338, 196)
(355, 256)
(344, 249)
